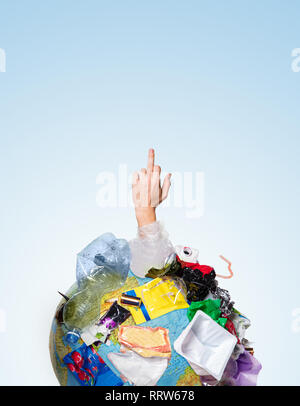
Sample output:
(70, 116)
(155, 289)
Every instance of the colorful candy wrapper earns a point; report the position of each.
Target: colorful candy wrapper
(89, 368)
(159, 296)
(101, 330)
(115, 316)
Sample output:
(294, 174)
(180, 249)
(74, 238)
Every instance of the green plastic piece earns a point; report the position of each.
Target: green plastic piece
(210, 307)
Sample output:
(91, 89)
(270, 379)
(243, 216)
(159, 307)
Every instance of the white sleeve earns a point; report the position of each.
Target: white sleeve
(150, 248)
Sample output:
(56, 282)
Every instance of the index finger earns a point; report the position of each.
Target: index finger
(150, 164)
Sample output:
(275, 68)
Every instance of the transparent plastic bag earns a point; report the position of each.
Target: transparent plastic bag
(150, 249)
(139, 370)
(102, 267)
(106, 250)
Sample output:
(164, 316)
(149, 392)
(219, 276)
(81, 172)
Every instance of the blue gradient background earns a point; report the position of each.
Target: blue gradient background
(92, 84)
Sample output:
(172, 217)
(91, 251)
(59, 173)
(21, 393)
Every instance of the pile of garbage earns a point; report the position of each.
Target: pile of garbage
(213, 342)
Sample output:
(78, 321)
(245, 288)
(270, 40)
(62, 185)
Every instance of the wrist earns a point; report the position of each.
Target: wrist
(145, 215)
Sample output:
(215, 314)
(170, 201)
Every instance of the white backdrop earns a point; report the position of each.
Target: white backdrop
(92, 85)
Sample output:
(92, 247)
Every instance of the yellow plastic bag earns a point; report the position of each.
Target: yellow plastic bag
(159, 296)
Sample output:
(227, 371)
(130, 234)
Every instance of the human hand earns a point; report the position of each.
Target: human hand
(147, 192)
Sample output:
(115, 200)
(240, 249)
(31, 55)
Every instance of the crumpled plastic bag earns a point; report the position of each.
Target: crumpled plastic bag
(150, 249)
(138, 370)
(223, 294)
(198, 284)
(198, 279)
(242, 371)
(171, 268)
(241, 323)
(101, 267)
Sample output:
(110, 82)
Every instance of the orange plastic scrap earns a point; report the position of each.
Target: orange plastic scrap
(146, 341)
